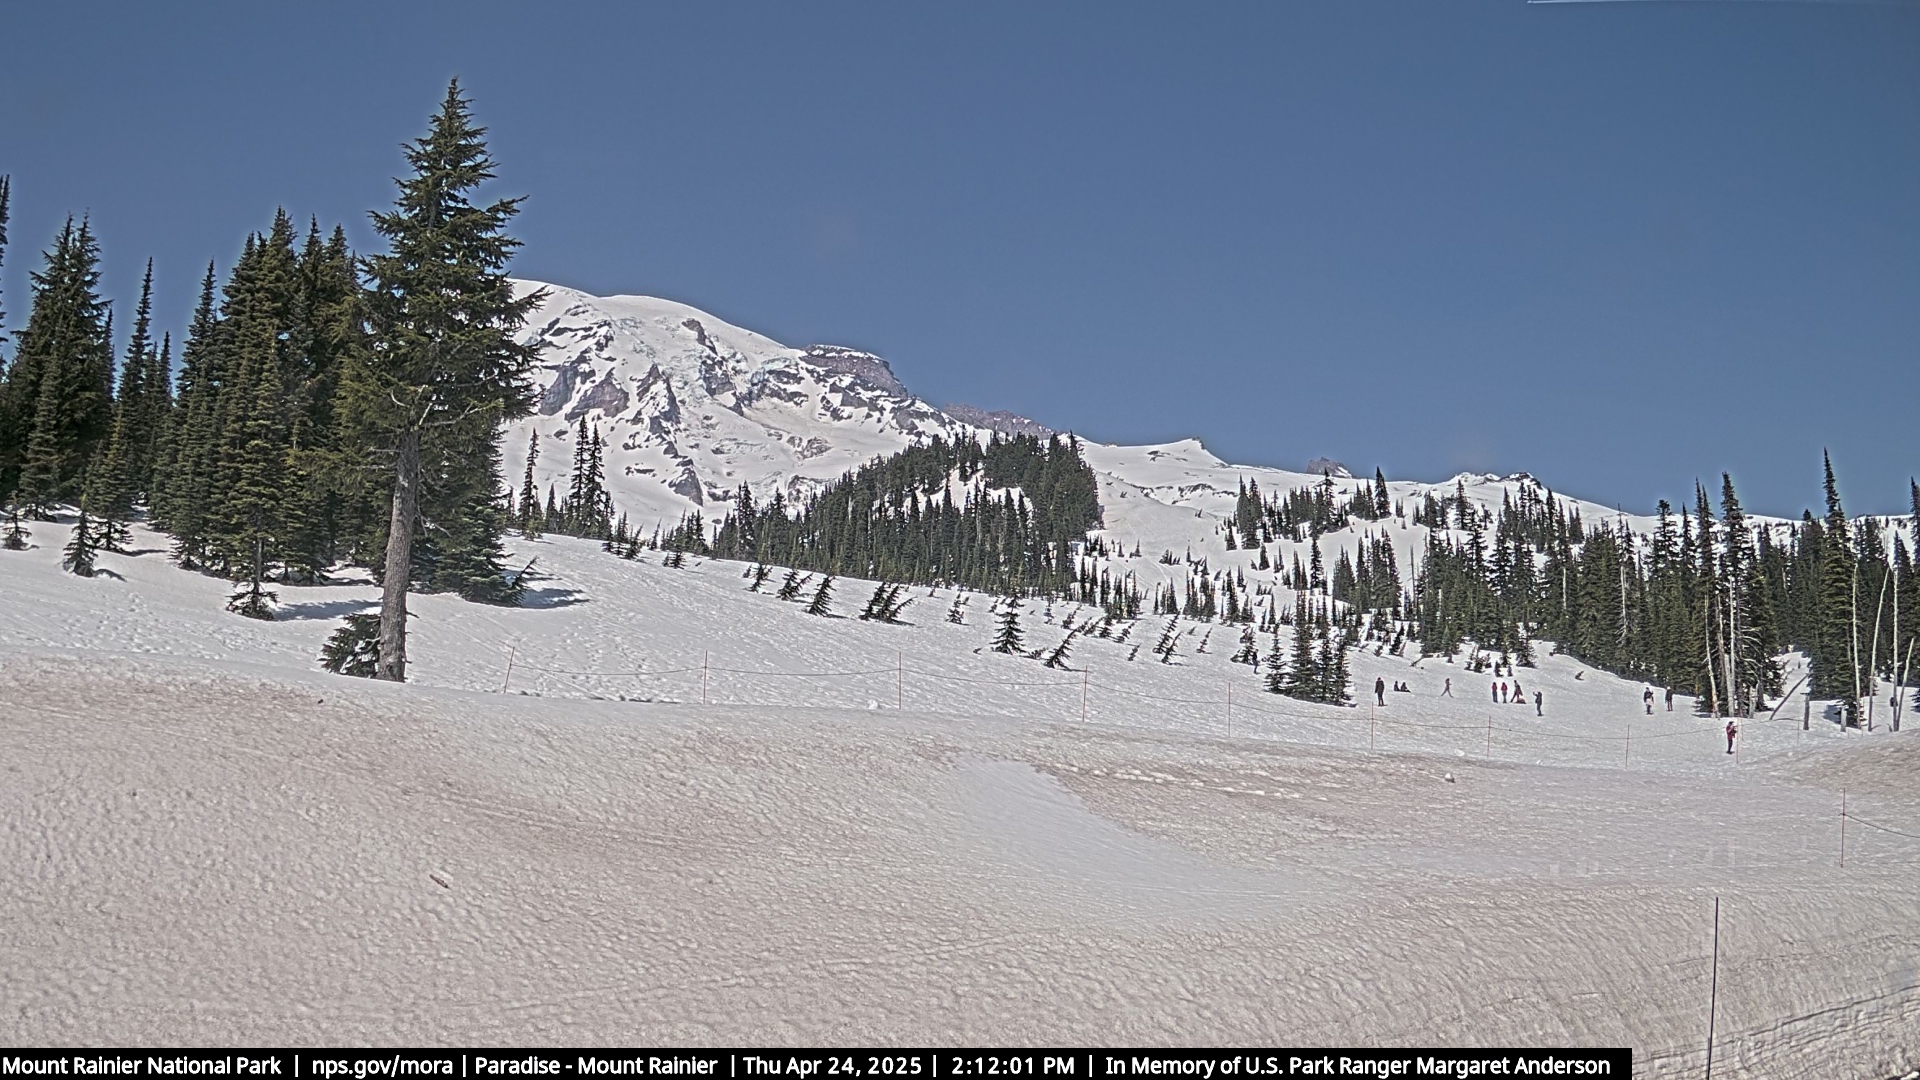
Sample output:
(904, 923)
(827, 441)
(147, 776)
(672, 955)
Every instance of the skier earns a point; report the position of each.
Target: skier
(1519, 695)
(1537, 711)
(1493, 690)
(1447, 690)
(1732, 730)
(1669, 699)
(1380, 690)
(1648, 698)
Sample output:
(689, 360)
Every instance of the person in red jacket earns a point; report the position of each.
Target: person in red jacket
(1732, 730)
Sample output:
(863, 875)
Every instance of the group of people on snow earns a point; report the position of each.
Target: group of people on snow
(1504, 693)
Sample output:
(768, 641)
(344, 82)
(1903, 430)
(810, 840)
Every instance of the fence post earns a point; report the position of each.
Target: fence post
(1629, 760)
(703, 678)
(1086, 674)
(1713, 992)
(508, 681)
(1370, 727)
(1843, 828)
(900, 680)
(1489, 736)
(1229, 708)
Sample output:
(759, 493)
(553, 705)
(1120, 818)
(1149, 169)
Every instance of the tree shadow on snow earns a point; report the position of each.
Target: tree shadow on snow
(323, 609)
(555, 597)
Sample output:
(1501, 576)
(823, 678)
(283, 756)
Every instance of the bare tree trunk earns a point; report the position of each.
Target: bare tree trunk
(1900, 690)
(1713, 688)
(392, 662)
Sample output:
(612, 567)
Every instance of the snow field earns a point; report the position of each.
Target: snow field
(210, 841)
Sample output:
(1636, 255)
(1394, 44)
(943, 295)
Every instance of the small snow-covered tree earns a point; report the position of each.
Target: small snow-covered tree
(953, 613)
(1169, 639)
(790, 588)
(354, 648)
(759, 572)
(1058, 657)
(1248, 654)
(822, 597)
(1007, 639)
(78, 556)
(15, 536)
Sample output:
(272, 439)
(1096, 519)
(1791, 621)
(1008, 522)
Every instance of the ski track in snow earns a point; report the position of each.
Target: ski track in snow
(206, 840)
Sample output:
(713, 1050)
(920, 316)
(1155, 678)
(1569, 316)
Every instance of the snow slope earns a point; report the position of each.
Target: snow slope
(879, 834)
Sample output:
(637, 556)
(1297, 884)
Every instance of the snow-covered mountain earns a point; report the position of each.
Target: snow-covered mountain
(692, 406)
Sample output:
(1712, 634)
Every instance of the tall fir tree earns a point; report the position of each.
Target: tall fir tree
(56, 405)
(444, 370)
(251, 473)
(115, 481)
(1835, 661)
(532, 520)
(6, 198)
(185, 488)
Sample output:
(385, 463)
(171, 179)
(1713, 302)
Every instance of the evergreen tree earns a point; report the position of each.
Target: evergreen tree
(1008, 639)
(6, 196)
(1058, 657)
(57, 405)
(822, 597)
(1169, 640)
(1835, 662)
(251, 485)
(531, 519)
(954, 615)
(760, 572)
(16, 534)
(354, 648)
(790, 588)
(444, 370)
(186, 492)
(78, 556)
(1278, 677)
(113, 481)
(1302, 679)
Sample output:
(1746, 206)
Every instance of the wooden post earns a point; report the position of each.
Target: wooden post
(703, 678)
(1229, 708)
(1086, 675)
(899, 680)
(1629, 760)
(1843, 828)
(1489, 736)
(508, 681)
(1370, 726)
(1713, 991)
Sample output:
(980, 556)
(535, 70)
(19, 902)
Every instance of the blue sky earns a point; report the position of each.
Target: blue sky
(1618, 245)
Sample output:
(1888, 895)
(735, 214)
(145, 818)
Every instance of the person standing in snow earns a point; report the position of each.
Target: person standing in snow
(1519, 695)
(1447, 690)
(1648, 698)
(1380, 690)
(1669, 699)
(1537, 711)
(1732, 730)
